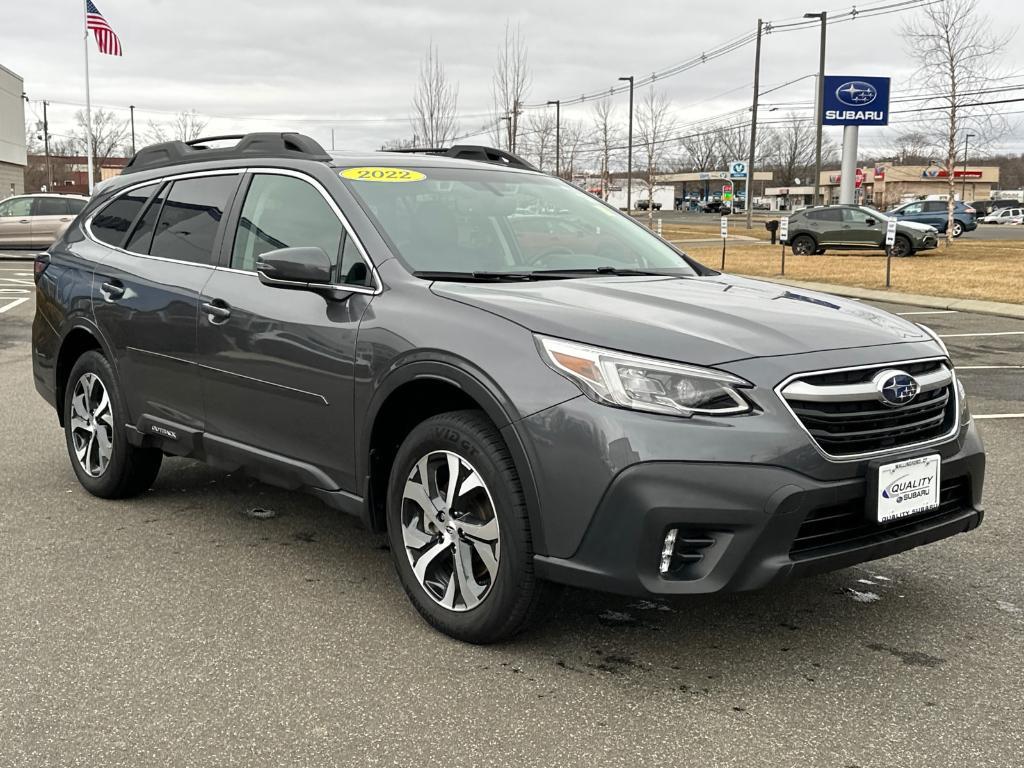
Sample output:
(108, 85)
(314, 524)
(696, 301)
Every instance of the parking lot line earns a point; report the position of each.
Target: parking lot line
(989, 367)
(12, 305)
(993, 333)
(998, 416)
(932, 312)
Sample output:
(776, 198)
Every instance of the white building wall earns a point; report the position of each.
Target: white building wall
(13, 156)
(663, 193)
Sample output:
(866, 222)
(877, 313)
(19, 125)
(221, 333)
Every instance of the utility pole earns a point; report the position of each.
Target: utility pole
(963, 187)
(332, 139)
(558, 137)
(515, 126)
(753, 127)
(508, 131)
(819, 104)
(131, 110)
(629, 151)
(46, 148)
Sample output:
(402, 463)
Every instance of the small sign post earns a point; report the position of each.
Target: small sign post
(783, 236)
(725, 234)
(890, 238)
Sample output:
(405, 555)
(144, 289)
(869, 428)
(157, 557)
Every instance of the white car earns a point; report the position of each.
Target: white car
(1004, 216)
(35, 221)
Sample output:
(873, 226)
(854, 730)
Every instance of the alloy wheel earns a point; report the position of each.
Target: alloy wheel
(450, 530)
(92, 424)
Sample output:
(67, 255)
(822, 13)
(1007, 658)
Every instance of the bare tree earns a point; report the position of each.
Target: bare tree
(538, 140)
(607, 134)
(791, 149)
(108, 136)
(958, 52)
(654, 123)
(435, 102)
(913, 146)
(572, 145)
(185, 126)
(509, 85)
(701, 150)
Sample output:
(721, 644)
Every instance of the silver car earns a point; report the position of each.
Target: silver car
(35, 221)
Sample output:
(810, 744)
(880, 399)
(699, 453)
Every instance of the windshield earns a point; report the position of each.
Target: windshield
(490, 221)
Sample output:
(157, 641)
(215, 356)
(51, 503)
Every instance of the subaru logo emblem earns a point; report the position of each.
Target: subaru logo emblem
(856, 93)
(896, 388)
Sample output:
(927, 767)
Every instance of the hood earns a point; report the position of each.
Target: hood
(700, 320)
(916, 225)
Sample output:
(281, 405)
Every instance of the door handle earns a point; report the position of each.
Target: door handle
(24, 221)
(112, 290)
(66, 218)
(217, 310)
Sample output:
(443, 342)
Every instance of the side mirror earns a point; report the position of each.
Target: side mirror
(870, 222)
(300, 267)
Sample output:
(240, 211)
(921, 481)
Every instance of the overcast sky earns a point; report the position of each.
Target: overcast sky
(311, 65)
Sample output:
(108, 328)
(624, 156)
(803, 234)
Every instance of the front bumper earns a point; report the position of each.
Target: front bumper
(751, 526)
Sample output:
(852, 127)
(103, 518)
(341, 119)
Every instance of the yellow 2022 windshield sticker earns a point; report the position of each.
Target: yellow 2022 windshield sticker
(373, 173)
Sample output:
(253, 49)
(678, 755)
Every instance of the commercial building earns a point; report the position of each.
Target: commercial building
(12, 134)
(69, 172)
(886, 186)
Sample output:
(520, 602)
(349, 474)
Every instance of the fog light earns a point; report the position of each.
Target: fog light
(667, 551)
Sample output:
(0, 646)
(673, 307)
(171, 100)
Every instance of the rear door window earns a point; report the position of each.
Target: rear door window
(111, 224)
(49, 206)
(190, 218)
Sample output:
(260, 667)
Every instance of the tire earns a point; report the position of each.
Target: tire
(94, 416)
(495, 593)
(803, 245)
(819, 251)
(902, 246)
(958, 229)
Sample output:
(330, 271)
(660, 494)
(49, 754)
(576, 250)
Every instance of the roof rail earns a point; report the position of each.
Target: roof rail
(249, 145)
(476, 152)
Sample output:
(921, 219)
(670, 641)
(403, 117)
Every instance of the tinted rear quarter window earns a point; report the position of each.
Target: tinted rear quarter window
(111, 224)
(49, 206)
(190, 218)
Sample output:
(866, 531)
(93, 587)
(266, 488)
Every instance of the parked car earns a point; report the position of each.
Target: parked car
(712, 206)
(986, 207)
(35, 221)
(634, 422)
(854, 227)
(934, 213)
(643, 205)
(1004, 216)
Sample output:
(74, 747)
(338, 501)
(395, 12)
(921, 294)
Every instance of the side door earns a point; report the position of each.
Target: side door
(16, 221)
(277, 363)
(935, 214)
(49, 217)
(828, 224)
(862, 229)
(146, 295)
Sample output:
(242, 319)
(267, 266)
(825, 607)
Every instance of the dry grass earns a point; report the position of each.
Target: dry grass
(702, 231)
(992, 270)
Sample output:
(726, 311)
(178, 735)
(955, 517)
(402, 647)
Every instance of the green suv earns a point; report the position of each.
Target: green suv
(813, 230)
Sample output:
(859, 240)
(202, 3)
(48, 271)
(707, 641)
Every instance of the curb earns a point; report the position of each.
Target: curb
(1002, 309)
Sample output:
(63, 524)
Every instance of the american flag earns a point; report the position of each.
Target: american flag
(106, 38)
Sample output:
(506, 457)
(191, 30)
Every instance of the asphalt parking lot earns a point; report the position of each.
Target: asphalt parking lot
(179, 629)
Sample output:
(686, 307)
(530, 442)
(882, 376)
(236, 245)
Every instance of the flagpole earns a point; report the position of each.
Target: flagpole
(88, 101)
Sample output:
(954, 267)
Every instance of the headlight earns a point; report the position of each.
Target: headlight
(645, 384)
(965, 412)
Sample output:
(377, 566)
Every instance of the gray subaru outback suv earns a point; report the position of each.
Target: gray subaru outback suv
(512, 410)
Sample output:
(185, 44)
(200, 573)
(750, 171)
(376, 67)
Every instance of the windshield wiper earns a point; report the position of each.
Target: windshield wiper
(483, 276)
(616, 271)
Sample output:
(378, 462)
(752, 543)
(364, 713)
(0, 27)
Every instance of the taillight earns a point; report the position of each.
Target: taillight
(968, 209)
(41, 263)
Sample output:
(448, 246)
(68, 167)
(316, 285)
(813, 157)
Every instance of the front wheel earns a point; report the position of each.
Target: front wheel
(458, 528)
(804, 245)
(106, 464)
(902, 247)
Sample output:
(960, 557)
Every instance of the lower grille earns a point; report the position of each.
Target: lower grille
(847, 525)
(843, 414)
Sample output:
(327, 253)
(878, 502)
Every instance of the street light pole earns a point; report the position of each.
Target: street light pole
(963, 187)
(558, 137)
(819, 104)
(629, 151)
(46, 148)
(131, 110)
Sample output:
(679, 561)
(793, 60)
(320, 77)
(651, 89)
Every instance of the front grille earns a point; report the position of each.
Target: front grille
(847, 525)
(844, 421)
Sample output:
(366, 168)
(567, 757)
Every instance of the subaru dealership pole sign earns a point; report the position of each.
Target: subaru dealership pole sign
(856, 100)
(852, 102)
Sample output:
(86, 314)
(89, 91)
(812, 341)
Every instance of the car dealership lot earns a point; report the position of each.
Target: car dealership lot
(218, 621)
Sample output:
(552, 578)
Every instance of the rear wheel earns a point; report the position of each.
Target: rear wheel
(94, 417)
(958, 229)
(458, 529)
(804, 245)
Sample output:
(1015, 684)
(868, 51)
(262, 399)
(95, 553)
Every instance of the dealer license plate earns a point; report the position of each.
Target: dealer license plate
(907, 487)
